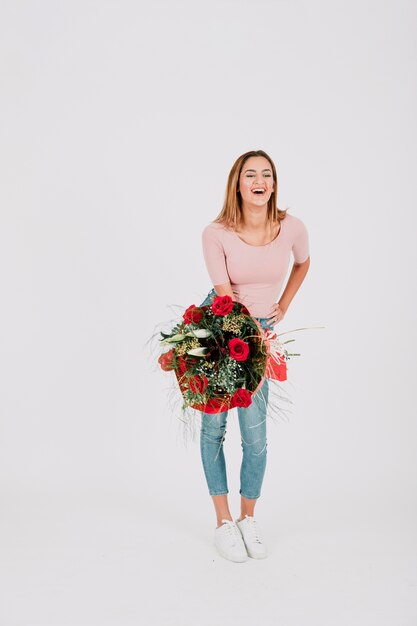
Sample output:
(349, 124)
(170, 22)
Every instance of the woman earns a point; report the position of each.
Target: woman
(247, 253)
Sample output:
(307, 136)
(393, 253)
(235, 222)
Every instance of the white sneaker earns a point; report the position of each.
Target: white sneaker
(228, 541)
(255, 547)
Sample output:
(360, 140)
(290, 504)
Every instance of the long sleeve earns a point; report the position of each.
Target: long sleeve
(301, 245)
(214, 256)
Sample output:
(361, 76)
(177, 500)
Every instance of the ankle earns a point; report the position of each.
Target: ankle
(220, 523)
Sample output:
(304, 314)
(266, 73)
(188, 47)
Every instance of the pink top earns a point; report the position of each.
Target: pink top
(256, 273)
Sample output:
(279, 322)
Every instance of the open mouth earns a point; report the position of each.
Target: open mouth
(258, 192)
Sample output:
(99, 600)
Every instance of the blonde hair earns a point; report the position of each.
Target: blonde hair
(231, 213)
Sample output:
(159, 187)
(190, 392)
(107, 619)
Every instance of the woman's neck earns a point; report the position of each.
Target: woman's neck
(255, 222)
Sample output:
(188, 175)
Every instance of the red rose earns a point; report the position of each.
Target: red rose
(239, 350)
(193, 315)
(166, 360)
(222, 305)
(198, 384)
(242, 397)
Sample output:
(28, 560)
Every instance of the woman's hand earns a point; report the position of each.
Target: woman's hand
(278, 313)
(298, 272)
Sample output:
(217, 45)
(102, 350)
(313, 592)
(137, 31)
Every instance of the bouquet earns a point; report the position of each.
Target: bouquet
(220, 355)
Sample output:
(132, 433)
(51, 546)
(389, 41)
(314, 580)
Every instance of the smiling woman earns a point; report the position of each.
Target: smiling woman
(247, 248)
(247, 251)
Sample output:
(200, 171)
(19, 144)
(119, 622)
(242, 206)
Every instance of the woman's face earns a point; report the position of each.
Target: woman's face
(256, 174)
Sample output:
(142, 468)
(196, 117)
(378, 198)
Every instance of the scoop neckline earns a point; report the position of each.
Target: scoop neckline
(262, 245)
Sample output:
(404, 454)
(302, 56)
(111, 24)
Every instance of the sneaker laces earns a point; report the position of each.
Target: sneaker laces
(232, 530)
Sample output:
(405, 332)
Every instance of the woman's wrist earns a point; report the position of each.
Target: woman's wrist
(283, 306)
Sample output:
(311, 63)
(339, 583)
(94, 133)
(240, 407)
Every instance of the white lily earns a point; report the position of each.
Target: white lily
(198, 351)
(174, 338)
(200, 333)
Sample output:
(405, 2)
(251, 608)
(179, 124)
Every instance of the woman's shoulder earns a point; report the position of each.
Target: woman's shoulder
(214, 228)
(294, 223)
(216, 225)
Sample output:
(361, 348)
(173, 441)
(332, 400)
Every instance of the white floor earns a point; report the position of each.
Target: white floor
(95, 557)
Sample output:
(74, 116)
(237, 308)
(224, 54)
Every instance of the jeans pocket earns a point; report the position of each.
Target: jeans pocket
(264, 324)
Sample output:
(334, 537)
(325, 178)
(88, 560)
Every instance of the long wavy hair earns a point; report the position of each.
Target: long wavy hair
(231, 213)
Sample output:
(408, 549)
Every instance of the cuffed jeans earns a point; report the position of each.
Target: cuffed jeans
(252, 423)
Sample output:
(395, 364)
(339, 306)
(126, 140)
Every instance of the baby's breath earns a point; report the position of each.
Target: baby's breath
(226, 378)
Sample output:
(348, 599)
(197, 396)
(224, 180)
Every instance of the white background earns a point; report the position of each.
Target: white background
(120, 122)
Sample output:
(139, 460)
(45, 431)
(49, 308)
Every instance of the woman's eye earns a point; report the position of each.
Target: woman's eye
(252, 175)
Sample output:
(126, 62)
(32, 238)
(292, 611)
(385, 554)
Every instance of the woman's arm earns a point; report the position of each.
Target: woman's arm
(215, 259)
(224, 290)
(298, 273)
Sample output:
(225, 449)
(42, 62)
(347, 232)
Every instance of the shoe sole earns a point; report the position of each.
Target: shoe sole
(257, 556)
(235, 560)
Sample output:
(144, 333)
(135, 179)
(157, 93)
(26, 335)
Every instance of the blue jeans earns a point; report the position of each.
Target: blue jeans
(252, 423)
